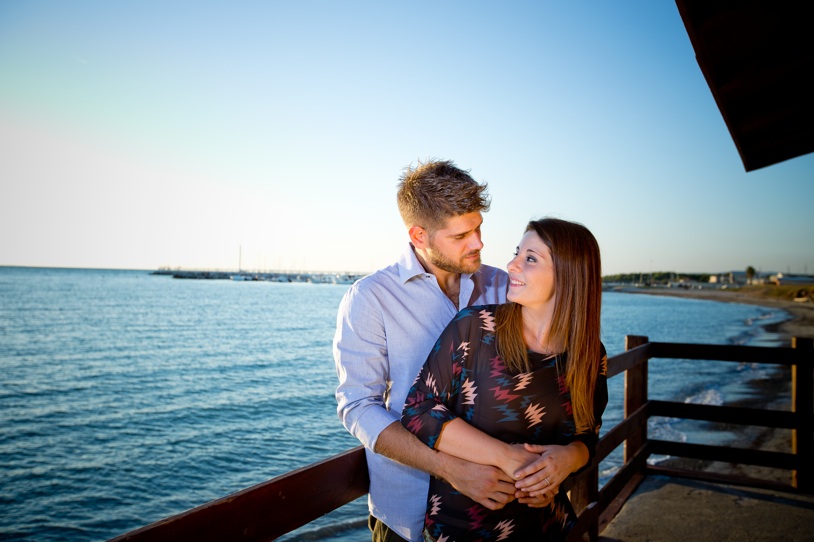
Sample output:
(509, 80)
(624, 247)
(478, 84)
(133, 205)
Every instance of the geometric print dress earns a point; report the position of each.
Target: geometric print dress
(464, 377)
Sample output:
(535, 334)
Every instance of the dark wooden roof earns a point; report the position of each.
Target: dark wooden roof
(758, 59)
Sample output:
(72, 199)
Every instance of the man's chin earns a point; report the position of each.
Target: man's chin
(472, 266)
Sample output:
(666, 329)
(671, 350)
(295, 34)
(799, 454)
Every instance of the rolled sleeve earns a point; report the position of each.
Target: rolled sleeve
(360, 355)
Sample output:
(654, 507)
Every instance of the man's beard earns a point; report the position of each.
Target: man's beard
(442, 262)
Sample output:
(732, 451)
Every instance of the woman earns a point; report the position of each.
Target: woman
(530, 371)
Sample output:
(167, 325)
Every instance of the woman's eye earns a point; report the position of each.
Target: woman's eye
(531, 259)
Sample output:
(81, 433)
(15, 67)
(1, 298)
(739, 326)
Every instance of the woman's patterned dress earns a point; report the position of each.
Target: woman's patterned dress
(464, 377)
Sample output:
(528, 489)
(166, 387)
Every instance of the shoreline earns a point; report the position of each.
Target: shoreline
(773, 392)
(800, 324)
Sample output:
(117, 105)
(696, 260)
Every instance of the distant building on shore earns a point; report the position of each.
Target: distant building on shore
(784, 279)
(739, 278)
(732, 277)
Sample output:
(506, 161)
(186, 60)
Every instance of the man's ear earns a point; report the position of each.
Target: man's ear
(418, 236)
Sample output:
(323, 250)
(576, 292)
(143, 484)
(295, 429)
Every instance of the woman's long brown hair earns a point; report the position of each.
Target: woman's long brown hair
(577, 310)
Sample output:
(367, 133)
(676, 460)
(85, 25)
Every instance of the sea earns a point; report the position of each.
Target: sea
(127, 397)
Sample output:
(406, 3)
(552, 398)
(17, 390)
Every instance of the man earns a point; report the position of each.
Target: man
(387, 324)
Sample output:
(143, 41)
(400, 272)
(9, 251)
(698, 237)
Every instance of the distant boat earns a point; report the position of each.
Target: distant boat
(240, 274)
(343, 279)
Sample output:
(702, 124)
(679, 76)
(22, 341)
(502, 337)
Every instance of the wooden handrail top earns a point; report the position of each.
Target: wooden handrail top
(725, 414)
(270, 509)
(726, 352)
(628, 359)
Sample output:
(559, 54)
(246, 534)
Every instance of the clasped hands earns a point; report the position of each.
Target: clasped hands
(494, 473)
(537, 471)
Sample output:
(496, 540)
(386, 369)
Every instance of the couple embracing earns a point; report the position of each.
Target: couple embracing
(475, 392)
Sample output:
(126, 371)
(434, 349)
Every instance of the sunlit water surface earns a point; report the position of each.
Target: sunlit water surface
(127, 397)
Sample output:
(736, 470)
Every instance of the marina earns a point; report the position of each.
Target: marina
(262, 276)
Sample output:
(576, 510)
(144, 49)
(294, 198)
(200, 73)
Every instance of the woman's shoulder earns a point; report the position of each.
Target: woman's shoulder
(477, 309)
(478, 312)
(472, 318)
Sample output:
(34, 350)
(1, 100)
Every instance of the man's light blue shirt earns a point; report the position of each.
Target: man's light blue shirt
(387, 324)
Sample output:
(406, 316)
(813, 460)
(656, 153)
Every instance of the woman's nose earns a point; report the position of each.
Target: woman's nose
(512, 265)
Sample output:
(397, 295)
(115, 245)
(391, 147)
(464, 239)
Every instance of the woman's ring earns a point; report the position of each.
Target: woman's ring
(546, 481)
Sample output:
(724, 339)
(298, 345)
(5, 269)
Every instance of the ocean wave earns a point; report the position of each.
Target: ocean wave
(710, 396)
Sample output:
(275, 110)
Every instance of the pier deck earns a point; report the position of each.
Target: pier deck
(667, 509)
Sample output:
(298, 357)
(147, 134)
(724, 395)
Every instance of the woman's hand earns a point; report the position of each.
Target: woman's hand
(554, 464)
(517, 458)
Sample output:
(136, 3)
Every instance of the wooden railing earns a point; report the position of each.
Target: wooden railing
(599, 506)
(285, 503)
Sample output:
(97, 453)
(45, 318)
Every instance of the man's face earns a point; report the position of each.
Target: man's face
(456, 247)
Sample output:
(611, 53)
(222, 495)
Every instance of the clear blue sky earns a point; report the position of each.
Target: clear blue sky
(139, 134)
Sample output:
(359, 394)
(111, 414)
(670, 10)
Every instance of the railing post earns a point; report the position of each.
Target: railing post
(802, 402)
(584, 492)
(635, 397)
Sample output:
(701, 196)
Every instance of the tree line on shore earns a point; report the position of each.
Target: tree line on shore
(657, 277)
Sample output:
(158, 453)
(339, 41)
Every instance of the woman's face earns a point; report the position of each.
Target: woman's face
(531, 273)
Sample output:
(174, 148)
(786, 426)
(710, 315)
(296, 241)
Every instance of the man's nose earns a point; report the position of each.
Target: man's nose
(477, 243)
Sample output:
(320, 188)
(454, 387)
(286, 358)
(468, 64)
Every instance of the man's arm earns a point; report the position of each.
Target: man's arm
(360, 355)
(362, 366)
(361, 363)
(484, 484)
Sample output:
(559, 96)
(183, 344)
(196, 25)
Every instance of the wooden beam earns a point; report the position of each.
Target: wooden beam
(635, 397)
(723, 352)
(620, 363)
(622, 485)
(725, 414)
(802, 403)
(632, 424)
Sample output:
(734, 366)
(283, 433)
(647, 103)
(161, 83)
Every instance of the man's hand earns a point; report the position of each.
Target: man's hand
(486, 485)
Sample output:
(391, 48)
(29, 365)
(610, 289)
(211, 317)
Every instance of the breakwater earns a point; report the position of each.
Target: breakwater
(268, 276)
